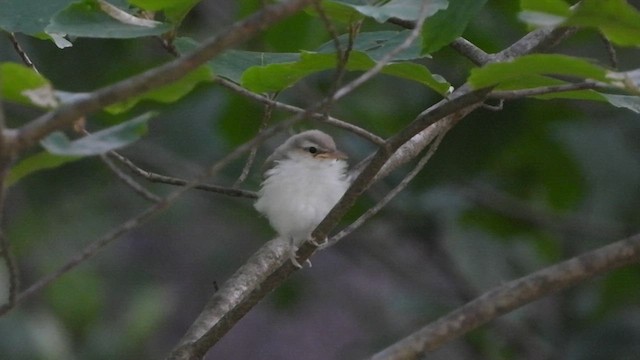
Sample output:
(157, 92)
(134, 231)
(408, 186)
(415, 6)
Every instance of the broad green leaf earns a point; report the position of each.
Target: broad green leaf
(232, 63)
(446, 25)
(174, 11)
(19, 83)
(537, 64)
(37, 162)
(277, 77)
(617, 19)
(86, 19)
(60, 150)
(401, 9)
(29, 16)
(168, 93)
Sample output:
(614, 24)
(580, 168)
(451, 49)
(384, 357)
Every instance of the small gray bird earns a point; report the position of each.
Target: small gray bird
(305, 179)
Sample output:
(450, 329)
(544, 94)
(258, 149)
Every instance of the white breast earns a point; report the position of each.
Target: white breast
(298, 193)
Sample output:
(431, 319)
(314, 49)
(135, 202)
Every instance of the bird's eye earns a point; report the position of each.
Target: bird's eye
(312, 149)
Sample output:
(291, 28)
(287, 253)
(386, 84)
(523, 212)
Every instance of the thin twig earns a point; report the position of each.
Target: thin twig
(413, 35)
(21, 53)
(611, 51)
(365, 134)
(12, 268)
(266, 117)
(517, 94)
(127, 180)
(513, 295)
(6, 158)
(157, 178)
(391, 194)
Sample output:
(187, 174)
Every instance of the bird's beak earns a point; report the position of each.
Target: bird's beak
(338, 155)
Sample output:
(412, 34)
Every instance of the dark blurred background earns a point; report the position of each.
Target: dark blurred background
(507, 193)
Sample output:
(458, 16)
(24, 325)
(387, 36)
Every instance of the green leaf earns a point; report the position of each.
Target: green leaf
(86, 19)
(537, 64)
(60, 150)
(277, 77)
(40, 161)
(29, 16)
(446, 25)
(21, 84)
(232, 63)
(168, 93)
(617, 19)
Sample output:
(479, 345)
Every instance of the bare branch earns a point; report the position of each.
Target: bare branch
(127, 180)
(513, 295)
(535, 41)
(517, 94)
(157, 178)
(266, 117)
(21, 53)
(611, 51)
(296, 110)
(88, 252)
(64, 115)
(471, 51)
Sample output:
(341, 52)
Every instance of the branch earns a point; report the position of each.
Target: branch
(517, 94)
(137, 188)
(21, 53)
(375, 139)
(157, 178)
(471, 51)
(88, 252)
(513, 295)
(64, 115)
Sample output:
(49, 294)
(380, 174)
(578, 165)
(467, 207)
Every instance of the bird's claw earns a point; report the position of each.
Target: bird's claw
(294, 258)
(320, 244)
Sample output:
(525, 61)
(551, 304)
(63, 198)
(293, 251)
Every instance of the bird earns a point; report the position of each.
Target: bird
(305, 177)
